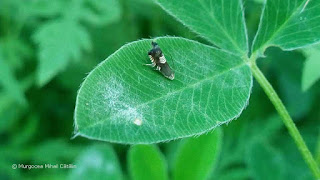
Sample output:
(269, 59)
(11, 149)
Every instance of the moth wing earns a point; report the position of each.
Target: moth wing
(162, 59)
(167, 71)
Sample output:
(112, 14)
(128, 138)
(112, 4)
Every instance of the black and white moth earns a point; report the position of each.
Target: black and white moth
(159, 61)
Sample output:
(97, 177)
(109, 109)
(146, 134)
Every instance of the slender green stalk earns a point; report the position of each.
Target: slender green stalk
(293, 131)
(317, 155)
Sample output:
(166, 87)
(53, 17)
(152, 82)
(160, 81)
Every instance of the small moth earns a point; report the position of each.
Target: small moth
(159, 61)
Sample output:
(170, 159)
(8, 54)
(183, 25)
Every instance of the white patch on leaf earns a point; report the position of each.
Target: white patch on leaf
(137, 122)
(117, 104)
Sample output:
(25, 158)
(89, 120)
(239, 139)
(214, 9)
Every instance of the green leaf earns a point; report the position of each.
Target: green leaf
(10, 110)
(288, 24)
(14, 10)
(265, 162)
(220, 22)
(123, 101)
(54, 151)
(170, 152)
(101, 12)
(297, 102)
(239, 174)
(289, 75)
(146, 162)
(97, 162)
(9, 82)
(14, 51)
(45, 8)
(259, 1)
(196, 157)
(59, 42)
(294, 164)
(27, 133)
(311, 67)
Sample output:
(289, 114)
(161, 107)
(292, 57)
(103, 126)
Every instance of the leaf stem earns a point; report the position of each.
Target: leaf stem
(287, 120)
(317, 154)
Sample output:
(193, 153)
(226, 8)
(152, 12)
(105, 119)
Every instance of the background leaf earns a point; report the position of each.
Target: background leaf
(288, 24)
(196, 157)
(97, 162)
(27, 132)
(235, 174)
(10, 109)
(259, 1)
(9, 82)
(59, 42)
(311, 67)
(100, 12)
(220, 22)
(288, 80)
(45, 8)
(121, 91)
(54, 151)
(15, 52)
(272, 167)
(291, 158)
(65, 39)
(146, 162)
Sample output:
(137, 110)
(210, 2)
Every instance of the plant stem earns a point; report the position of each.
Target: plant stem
(317, 154)
(287, 120)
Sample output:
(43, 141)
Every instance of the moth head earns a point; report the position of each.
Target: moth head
(154, 44)
(158, 53)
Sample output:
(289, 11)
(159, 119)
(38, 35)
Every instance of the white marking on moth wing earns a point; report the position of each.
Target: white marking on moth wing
(158, 68)
(151, 59)
(137, 122)
(171, 77)
(162, 59)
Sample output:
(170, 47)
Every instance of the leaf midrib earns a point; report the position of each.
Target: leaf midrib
(266, 44)
(170, 93)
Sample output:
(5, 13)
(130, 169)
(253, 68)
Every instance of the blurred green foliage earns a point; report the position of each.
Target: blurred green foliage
(48, 46)
(139, 163)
